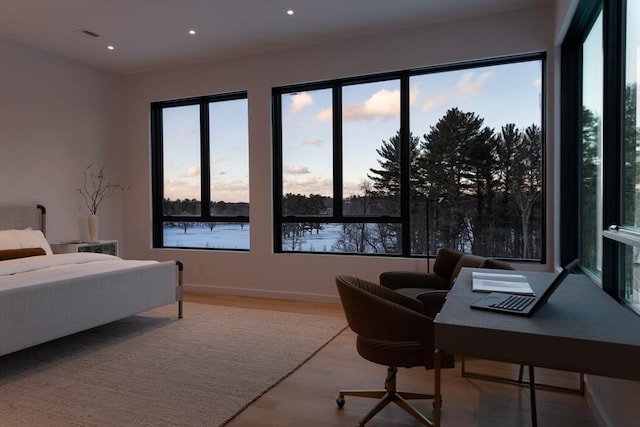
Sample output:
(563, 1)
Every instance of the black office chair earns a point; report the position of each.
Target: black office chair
(431, 288)
(393, 331)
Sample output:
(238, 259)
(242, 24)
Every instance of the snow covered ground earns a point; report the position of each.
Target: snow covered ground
(235, 236)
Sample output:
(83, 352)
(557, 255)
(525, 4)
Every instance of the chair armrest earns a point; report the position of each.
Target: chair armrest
(412, 279)
(432, 302)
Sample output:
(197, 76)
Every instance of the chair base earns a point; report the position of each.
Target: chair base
(386, 396)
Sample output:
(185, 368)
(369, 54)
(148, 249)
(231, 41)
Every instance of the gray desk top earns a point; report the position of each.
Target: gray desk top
(580, 329)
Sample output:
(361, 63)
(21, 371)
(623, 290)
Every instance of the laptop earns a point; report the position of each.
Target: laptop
(522, 305)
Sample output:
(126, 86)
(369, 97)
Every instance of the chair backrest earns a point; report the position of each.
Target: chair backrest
(466, 260)
(376, 312)
(497, 264)
(449, 262)
(445, 262)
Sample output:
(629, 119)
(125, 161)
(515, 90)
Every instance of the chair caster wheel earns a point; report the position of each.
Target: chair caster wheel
(340, 401)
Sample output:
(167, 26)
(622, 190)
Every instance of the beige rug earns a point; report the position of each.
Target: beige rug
(155, 370)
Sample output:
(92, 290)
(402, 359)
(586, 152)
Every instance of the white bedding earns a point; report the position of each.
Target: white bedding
(52, 268)
(50, 296)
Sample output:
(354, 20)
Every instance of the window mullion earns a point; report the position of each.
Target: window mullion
(157, 174)
(405, 161)
(613, 144)
(205, 155)
(277, 170)
(337, 153)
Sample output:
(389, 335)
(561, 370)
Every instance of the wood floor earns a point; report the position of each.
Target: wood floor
(307, 397)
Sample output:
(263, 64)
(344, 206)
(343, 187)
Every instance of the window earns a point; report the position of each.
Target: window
(591, 172)
(406, 163)
(600, 132)
(201, 172)
(630, 292)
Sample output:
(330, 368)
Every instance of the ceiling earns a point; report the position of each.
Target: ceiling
(152, 34)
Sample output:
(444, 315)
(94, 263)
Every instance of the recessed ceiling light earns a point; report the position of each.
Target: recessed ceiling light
(111, 47)
(192, 32)
(290, 12)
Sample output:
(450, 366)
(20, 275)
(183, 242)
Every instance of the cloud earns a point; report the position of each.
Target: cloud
(192, 171)
(215, 160)
(470, 86)
(186, 131)
(435, 101)
(179, 189)
(308, 185)
(296, 170)
(383, 104)
(301, 100)
(537, 83)
(414, 94)
(432, 102)
(313, 142)
(230, 191)
(325, 115)
(352, 188)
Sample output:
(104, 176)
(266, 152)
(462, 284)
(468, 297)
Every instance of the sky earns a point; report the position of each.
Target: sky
(229, 147)
(501, 94)
(633, 50)
(593, 62)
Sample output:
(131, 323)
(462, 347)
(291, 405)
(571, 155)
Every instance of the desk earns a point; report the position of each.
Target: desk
(580, 329)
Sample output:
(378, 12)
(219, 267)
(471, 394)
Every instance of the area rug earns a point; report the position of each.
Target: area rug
(155, 370)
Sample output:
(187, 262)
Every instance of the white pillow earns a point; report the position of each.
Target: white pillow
(20, 239)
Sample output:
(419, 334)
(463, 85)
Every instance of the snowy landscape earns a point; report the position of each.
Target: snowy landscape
(236, 236)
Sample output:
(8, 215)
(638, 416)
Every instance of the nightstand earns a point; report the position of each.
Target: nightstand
(109, 247)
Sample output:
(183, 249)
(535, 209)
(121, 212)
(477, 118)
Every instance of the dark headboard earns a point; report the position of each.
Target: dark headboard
(23, 216)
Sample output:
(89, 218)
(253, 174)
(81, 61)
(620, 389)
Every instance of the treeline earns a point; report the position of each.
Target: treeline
(192, 207)
(472, 188)
(488, 186)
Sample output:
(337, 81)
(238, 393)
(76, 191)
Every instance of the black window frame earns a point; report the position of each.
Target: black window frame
(613, 33)
(404, 218)
(157, 170)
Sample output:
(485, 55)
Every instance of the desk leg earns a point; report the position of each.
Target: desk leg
(437, 402)
(532, 396)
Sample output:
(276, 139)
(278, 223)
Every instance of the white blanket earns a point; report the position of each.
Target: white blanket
(53, 268)
(49, 296)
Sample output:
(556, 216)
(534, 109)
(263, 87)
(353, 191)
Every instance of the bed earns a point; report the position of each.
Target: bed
(44, 296)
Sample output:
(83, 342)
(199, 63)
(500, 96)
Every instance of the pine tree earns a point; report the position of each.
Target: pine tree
(386, 180)
(456, 166)
(527, 183)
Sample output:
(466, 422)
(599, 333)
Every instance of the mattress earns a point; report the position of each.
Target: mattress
(51, 296)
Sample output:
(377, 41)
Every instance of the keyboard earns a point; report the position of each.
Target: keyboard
(515, 303)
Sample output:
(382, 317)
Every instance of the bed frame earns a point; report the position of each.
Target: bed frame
(47, 311)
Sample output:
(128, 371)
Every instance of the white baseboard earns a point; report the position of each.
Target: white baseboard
(599, 415)
(297, 296)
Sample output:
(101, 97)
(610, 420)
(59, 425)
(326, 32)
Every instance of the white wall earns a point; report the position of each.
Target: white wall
(56, 117)
(617, 402)
(260, 271)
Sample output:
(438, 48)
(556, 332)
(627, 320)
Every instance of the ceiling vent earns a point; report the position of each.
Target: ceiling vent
(87, 32)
